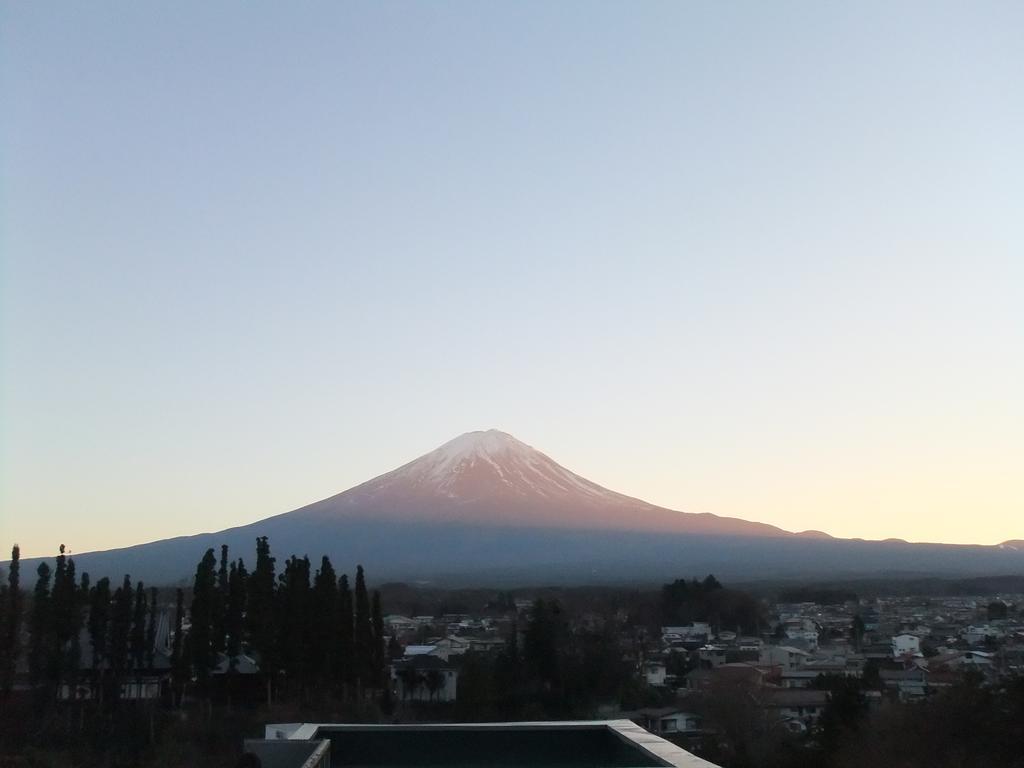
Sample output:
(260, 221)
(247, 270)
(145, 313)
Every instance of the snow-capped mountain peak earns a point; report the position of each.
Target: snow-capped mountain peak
(488, 463)
(491, 478)
(491, 446)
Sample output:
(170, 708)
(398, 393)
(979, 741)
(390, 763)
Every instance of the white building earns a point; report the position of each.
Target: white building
(655, 672)
(698, 631)
(906, 645)
(450, 646)
(398, 624)
(807, 637)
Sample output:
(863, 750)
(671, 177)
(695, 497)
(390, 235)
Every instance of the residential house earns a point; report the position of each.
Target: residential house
(909, 684)
(906, 644)
(486, 644)
(655, 672)
(980, 634)
(399, 625)
(785, 656)
(712, 655)
(424, 678)
(666, 720)
(450, 646)
(691, 636)
(426, 650)
(807, 638)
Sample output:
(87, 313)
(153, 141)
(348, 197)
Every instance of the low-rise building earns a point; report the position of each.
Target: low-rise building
(906, 644)
(424, 678)
(785, 656)
(666, 720)
(655, 672)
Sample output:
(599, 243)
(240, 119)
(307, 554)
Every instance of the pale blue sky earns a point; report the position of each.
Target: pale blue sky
(758, 259)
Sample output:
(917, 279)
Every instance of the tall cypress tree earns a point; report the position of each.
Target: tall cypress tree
(79, 611)
(120, 632)
(259, 618)
(62, 600)
(99, 623)
(541, 644)
(234, 615)
(40, 627)
(70, 652)
(219, 605)
(11, 639)
(137, 639)
(344, 664)
(508, 677)
(294, 623)
(64, 622)
(363, 633)
(151, 629)
(204, 595)
(325, 613)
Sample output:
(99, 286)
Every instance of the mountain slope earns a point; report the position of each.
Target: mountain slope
(486, 506)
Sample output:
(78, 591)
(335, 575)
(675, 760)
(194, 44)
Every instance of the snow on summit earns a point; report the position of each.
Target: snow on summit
(490, 462)
(493, 447)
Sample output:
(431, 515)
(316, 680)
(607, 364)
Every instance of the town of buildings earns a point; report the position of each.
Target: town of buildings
(903, 648)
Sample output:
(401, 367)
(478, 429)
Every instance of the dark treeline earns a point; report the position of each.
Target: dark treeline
(432, 600)
(309, 632)
(897, 585)
(550, 668)
(580, 649)
(650, 606)
(294, 641)
(80, 660)
(969, 724)
(683, 602)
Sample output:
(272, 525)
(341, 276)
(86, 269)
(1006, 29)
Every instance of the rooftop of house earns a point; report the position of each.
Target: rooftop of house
(422, 662)
(419, 650)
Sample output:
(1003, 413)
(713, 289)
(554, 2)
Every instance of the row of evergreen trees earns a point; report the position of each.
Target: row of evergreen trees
(121, 629)
(310, 633)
